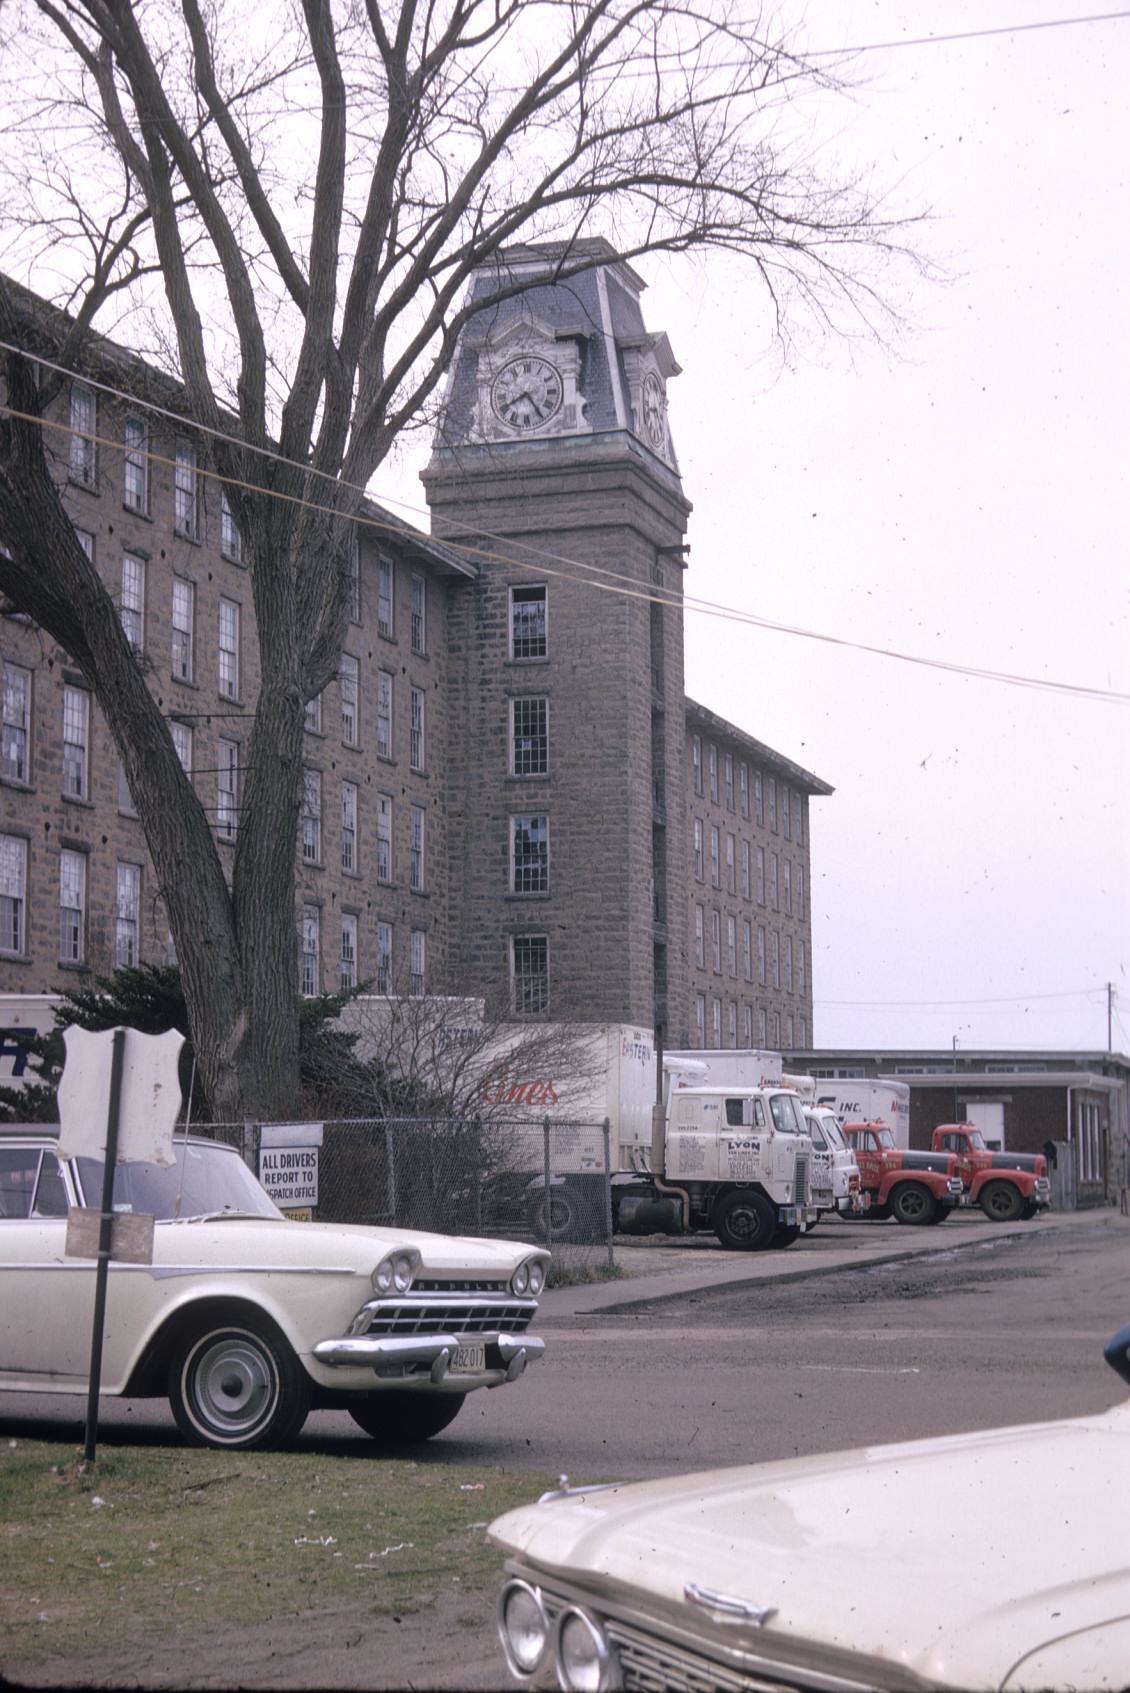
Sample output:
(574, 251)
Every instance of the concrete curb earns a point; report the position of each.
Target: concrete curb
(863, 1252)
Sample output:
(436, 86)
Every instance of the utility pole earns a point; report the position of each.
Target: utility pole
(1110, 1016)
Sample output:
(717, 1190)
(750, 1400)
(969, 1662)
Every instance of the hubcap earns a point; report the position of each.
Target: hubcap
(234, 1385)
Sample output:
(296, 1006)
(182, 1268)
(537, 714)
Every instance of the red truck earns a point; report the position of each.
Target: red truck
(912, 1187)
(1006, 1185)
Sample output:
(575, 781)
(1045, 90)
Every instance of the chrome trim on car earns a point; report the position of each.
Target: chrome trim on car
(388, 1354)
(727, 1606)
(449, 1313)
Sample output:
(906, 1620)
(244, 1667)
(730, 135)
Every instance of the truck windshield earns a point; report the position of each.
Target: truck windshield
(207, 1179)
(786, 1117)
(975, 1139)
(832, 1133)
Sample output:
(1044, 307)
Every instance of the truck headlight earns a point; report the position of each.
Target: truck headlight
(585, 1663)
(523, 1627)
(395, 1273)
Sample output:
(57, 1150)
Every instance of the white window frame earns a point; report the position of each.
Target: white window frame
(728, 780)
(384, 957)
(313, 715)
(787, 886)
(76, 743)
(534, 738)
(758, 800)
(131, 606)
(419, 615)
(762, 975)
(417, 749)
(732, 1021)
(732, 946)
(716, 1022)
(748, 1019)
(386, 597)
(228, 644)
(311, 956)
(127, 921)
(798, 892)
(182, 738)
(529, 987)
(746, 882)
(83, 457)
(700, 937)
(385, 858)
(231, 541)
(350, 795)
(311, 816)
(699, 864)
(716, 942)
(772, 785)
(774, 885)
(801, 968)
(15, 737)
(743, 800)
(775, 959)
(696, 763)
(348, 951)
(182, 644)
(700, 1019)
(186, 490)
(789, 965)
(528, 631)
(13, 895)
(762, 1026)
(712, 771)
(135, 465)
(72, 907)
(417, 841)
(385, 699)
(417, 962)
(731, 865)
(529, 852)
(349, 692)
(227, 788)
(715, 857)
(747, 951)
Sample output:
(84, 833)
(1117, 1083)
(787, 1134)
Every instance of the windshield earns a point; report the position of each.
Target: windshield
(832, 1131)
(785, 1112)
(976, 1139)
(206, 1179)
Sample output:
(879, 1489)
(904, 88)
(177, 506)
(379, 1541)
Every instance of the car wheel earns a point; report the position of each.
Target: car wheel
(785, 1236)
(1001, 1202)
(911, 1203)
(564, 1214)
(744, 1222)
(399, 1419)
(238, 1385)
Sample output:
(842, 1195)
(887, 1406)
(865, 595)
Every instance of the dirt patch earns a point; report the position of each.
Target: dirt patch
(451, 1643)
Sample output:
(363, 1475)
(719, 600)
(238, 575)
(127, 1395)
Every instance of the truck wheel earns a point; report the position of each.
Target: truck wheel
(912, 1203)
(1001, 1202)
(564, 1214)
(400, 1419)
(238, 1385)
(784, 1236)
(744, 1222)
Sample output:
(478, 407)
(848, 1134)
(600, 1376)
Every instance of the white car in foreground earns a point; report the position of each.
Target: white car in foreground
(244, 1319)
(998, 1560)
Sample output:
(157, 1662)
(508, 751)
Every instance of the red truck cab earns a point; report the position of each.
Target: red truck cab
(1006, 1185)
(912, 1187)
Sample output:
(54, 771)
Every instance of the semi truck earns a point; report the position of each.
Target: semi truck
(867, 1099)
(1006, 1185)
(911, 1187)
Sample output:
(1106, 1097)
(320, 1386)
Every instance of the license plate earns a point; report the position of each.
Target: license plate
(467, 1358)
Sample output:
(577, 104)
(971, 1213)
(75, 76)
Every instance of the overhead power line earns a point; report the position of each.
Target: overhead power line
(562, 567)
(964, 35)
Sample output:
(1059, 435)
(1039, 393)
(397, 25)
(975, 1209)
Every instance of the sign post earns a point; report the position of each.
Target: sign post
(105, 1236)
(129, 1081)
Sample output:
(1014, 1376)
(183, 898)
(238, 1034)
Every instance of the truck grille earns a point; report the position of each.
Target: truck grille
(800, 1190)
(451, 1315)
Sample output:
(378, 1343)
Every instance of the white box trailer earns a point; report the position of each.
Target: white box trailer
(868, 1099)
(21, 1015)
(743, 1067)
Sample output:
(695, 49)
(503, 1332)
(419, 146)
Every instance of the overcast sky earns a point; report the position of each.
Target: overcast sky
(960, 495)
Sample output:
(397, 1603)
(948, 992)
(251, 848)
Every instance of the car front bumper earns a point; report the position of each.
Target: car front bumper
(433, 1359)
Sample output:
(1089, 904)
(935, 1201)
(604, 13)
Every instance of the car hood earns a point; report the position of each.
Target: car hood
(277, 1242)
(995, 1560)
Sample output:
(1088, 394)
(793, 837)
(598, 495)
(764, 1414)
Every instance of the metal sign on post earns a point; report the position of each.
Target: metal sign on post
(288, 1165)
(127, 1081)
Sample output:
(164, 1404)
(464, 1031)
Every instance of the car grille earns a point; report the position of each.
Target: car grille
(436, 1315)
(435, 1285)
(651, 1665)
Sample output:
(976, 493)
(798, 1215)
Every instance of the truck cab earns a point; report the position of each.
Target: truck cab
(912, 1187)
(834, 1164)
(1008, 1186)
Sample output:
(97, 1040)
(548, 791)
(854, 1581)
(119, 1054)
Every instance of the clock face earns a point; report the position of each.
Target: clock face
(526, 393)
(653, 409)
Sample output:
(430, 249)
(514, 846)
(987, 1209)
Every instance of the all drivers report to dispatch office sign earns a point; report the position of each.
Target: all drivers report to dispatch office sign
(289, 1155)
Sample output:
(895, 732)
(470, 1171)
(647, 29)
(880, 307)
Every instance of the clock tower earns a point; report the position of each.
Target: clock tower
(554, 471)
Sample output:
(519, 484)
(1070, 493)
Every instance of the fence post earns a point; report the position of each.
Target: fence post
(477, 1166)
(546, 1190)
(607, 1128)
(390, 1160)
(248, 1147)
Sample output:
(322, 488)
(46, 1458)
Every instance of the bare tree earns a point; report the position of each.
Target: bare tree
(294, 229)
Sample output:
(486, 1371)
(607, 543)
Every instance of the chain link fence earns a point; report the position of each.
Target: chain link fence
(446, 1175)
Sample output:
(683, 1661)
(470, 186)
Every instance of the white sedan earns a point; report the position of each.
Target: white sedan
(998, 1560)
(245, 1320)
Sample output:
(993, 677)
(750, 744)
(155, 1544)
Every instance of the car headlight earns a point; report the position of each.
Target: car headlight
(585, 1661)
(523, 1627)
(395, 1273)
(528, 1278)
